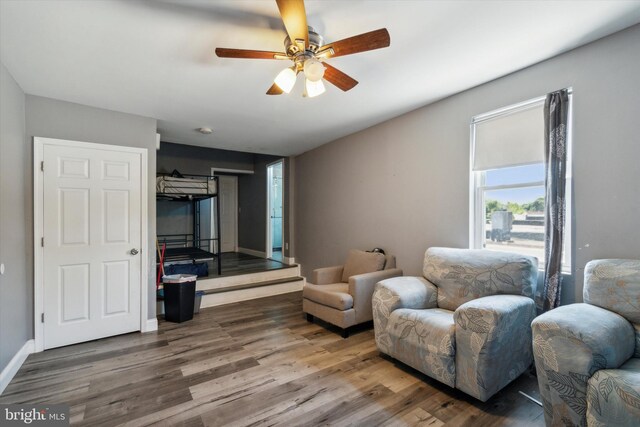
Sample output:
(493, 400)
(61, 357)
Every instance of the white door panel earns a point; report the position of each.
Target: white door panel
(91, 221)
(228, 199)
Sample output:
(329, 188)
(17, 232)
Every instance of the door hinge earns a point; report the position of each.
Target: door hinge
(42, 242)
(42, 318)
(42, 166)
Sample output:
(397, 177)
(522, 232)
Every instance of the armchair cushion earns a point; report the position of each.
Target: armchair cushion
(463, 275)
(359, 262)
(434, 329)
(614, 284)
(614, 396)
(335, 295)
(425, 340)
(570, 344)
(493, 343)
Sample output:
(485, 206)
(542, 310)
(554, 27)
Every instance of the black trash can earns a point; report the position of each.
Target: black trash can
(179, 296)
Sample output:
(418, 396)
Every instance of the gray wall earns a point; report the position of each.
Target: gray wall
(16, 289)
(175, 218)
(289, 195)
(404, 184)
(51, 118)
(200, 160)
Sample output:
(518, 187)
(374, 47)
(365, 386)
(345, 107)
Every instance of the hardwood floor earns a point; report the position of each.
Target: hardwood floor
(236, 263)
(256, 362)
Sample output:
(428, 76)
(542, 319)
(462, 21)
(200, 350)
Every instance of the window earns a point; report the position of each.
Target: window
(507, 181)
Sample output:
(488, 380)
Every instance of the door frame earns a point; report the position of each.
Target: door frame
(233, 172)
(146, 325)
(269, 247)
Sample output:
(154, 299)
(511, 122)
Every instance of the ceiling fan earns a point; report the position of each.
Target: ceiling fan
(306, 48)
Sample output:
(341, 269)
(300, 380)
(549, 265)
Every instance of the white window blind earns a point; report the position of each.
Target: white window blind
(509, 139)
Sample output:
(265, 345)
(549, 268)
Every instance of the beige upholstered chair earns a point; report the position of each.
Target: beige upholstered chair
(341, 295)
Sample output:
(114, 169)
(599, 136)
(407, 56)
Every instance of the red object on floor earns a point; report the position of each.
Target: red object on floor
(160, 267)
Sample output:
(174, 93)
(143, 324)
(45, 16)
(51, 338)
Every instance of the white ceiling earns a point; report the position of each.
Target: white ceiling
(156, 59)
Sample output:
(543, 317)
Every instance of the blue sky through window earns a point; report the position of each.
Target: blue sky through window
(515, 175)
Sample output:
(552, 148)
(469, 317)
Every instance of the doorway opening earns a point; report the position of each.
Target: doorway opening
(275, 195)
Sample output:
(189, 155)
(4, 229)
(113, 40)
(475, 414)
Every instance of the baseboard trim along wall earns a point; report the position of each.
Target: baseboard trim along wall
(14, 365)
(289, 260)
(151, 325)
(252, 252)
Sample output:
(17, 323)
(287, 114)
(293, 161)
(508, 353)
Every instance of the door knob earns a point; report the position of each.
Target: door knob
(133, 251)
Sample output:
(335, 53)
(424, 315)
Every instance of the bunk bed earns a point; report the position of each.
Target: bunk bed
(190, 247)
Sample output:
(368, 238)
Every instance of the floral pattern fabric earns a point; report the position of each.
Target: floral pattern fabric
(556, 113)
(425, 340)
(481, 346)
(398, 292)
(462, 275)
(492, 332)
(613, 396)
(570, 344)
(614, 284)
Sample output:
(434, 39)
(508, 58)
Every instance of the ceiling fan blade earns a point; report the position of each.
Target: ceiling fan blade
(275, 90)
(223, 52)
(361, 43)
(294, 18)
(338, 78)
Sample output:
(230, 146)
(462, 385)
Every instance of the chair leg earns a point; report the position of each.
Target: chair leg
(309, 317)
(345, 333)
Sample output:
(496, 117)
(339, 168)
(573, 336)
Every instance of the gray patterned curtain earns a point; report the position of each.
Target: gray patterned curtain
(555, 155)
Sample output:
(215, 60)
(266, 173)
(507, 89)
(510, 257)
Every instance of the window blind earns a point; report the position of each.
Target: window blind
(509, 139)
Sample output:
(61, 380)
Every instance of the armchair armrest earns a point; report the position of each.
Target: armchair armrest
(361, 287)
(395, 293)
(493, 342)
(327, 275)
(571, 343)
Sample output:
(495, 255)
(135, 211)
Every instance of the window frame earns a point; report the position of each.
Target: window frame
(478, 187)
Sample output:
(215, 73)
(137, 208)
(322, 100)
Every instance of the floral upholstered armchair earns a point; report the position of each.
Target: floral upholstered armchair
(466, 323)
(588, 355)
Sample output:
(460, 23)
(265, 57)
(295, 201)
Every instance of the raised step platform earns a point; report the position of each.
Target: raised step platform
(227, 290)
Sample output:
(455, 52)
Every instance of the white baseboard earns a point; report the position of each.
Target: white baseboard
(15, 363)
(252, 252)
(151, 325)
(289, 260)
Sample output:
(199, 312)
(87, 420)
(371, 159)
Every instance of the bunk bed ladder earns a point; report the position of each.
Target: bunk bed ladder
(196, 222)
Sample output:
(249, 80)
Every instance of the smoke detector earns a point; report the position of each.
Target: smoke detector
(205, 131)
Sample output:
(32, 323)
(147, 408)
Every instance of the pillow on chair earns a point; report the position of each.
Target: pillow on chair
(359, 262)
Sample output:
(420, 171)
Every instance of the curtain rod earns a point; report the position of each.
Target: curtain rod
(510, 108)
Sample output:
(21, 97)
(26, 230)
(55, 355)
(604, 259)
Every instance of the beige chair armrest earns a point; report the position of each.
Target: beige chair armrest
(361, 288)
(327, 275)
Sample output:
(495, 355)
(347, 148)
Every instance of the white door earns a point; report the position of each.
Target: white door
(92, 242)
(228, 198)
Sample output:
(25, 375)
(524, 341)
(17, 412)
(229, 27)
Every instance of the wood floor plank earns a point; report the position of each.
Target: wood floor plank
(253, 363)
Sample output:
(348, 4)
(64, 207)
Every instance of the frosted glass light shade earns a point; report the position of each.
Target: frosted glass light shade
(314, 88)
(313, 69)
(286, 79)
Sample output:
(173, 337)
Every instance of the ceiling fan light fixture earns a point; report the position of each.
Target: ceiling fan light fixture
(313, 69)
(286, 79)
(314, 88)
